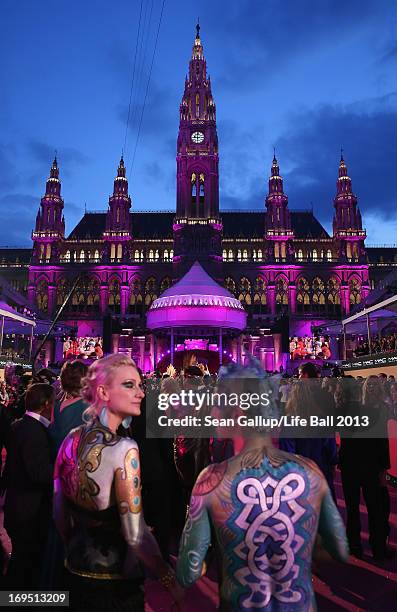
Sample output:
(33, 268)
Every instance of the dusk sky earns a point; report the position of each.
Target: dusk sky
(305, 76)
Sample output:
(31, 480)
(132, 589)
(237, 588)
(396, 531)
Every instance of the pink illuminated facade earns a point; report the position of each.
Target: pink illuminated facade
(282, 266)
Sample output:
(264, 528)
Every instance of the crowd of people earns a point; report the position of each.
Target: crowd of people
(93, 505)
(309, 347)
(379, 344)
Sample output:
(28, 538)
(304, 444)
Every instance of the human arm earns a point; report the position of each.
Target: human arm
(195, 540)
(331, 529)
(134, 528)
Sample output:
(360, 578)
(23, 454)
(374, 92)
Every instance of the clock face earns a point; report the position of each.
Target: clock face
(198, 137)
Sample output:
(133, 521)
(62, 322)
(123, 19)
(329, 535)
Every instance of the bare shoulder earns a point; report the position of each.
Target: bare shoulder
(210, 478)
(125, 450)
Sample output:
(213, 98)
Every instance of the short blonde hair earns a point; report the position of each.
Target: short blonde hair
(100, 373)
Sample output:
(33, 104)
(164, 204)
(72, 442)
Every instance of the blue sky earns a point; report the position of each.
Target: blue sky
(307, 76)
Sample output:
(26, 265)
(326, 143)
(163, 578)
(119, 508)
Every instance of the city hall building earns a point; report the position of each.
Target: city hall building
(155, 284)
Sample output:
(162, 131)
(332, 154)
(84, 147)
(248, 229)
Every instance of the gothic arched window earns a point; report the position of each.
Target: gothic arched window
(348, 250)
(165, 284)
(300, 255)
(329, 255)
(194, 187)
(151, 255)
(244, 291)
(230, 257)
(333, 296)
(82, 256)
(281, 290)
(260, 300)
(224, 255)
(260, 255)
(119, 251)
(42, 295)
(315, 256)
(63, 288)
(93, 289)
(354, 291)
(114, 295)
(165, 255)
(150, 290)
(96, 255)
(318, 294)
(303, 294)
(79, 297)
(201, 186)
(136, 300)
(67, 256)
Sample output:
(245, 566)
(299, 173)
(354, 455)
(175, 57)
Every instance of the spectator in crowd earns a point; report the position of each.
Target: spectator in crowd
(28, 482)
(307, 395)
(4, 397)
(68, 412)
(97, 497)
(363, 462)
(258, 504)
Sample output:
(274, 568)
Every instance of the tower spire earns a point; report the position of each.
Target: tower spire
(118, 222)
(278, 218)
(50, 225)
(347, 223)
(197, 169)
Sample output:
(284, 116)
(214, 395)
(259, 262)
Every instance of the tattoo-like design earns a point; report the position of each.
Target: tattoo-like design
(80, 456)
(195, 541)
(267, 524)
(209, 478)
(128, 485)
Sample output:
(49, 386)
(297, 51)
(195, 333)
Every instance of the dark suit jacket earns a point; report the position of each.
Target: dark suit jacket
(29, 475)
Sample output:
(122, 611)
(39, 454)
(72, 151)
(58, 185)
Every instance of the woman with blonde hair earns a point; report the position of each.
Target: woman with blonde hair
(97, 497)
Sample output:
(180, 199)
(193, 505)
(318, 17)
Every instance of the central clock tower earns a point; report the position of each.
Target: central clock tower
(197, 225)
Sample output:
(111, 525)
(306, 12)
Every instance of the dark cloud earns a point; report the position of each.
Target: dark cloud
(68, 157)
(17, 217)
(308, 153)
(9, 174)
(272, 35)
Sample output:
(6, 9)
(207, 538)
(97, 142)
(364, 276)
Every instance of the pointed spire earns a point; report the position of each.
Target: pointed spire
(120, 182)
(54, 172)
(121, 168)
(343, 184)
(197, 47)
(275, 180)
(53, 185)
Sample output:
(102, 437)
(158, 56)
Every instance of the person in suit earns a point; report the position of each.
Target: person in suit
(29, 474)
